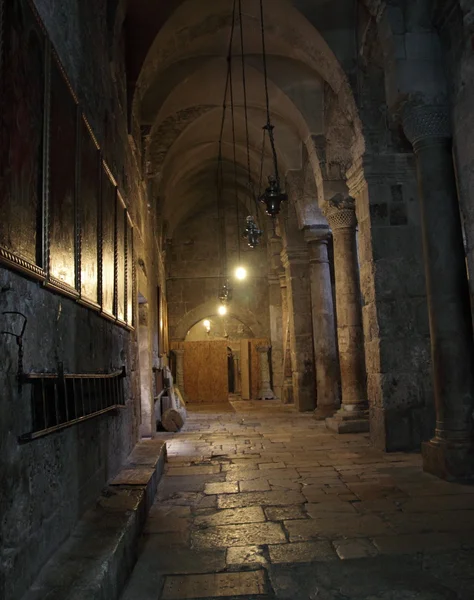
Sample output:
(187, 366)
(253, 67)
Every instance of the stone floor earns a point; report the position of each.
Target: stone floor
(261, 502)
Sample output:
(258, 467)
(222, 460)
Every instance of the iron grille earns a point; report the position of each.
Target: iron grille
(62, 400)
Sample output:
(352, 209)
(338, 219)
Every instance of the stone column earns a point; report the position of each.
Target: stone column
(287, 389)
(180, 371)
(353, 415)
(450, 454)
(236, 355)
(296, 264)
(264, 391)
(324, 328)
(276, 313)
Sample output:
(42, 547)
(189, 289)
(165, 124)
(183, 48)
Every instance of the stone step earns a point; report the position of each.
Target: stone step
(97, 559)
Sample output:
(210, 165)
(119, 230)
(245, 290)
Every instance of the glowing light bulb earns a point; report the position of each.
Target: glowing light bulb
(222, 310)
(207, 324)
(240, 273)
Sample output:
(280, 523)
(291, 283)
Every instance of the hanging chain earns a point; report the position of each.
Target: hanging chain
(220, 174)
(268, 126)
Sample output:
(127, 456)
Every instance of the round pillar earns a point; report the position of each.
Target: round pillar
(353, 415)
(450, 454)
(264, 391)
(237, 385)
(287, 390)
(324, 330)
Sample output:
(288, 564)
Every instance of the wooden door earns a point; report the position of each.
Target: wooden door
(205, 372)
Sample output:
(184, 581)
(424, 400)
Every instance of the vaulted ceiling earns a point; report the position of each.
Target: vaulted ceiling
(177, 65)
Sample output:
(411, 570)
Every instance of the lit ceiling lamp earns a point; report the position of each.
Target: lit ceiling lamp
(240, 273)
(273, 195)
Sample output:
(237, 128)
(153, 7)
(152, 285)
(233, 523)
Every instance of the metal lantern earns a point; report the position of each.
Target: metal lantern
(225, 295)
(273, 197)
(252, 232)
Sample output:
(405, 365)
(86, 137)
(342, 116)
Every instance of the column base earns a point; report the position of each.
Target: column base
(349, 421)
(449, 460)
(266, 395)
(325, 412)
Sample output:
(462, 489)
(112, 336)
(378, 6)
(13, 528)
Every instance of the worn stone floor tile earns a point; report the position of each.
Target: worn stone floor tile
(274, 498)
(252, 514)
(419, 542)
(245, 556)
(179, 560)
(164, 524)
(337, 525)
(376, 506)
(439, 503)
(255, 485)
(219, 585)
(193, 470)
(228, 487)
(238, 535)
(271, 465)
(285, 513)
(170, 538)
(355, 548)
(332, 506)
(285, 484)
(426, 522)
(302, 552)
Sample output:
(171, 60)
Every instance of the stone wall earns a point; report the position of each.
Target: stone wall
(457, 38)
(395, 316)
(49, 483)
(193, 272)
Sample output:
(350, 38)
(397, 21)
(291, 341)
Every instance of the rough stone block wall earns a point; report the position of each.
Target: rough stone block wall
(395, 317)
(47, 484)
(457, 38)
(193, 271)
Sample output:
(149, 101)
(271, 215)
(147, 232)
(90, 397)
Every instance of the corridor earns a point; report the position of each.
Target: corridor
(259, 501)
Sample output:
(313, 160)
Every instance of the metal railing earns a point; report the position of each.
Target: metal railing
(61, 400)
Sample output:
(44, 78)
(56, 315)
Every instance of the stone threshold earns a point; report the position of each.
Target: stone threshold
(96, 560)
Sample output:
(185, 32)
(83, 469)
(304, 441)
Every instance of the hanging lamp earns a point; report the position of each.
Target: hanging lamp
(273, 196)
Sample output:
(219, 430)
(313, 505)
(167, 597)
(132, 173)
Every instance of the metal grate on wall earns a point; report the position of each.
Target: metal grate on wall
(62, 400)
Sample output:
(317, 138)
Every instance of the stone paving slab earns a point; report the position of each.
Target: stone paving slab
(316, 515)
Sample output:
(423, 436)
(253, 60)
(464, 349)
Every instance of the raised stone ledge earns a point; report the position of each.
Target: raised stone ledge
(98, 557)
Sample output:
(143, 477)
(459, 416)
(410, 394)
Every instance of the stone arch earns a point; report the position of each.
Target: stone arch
(208, 309)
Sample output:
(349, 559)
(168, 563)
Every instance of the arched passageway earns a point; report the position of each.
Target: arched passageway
(330, 342)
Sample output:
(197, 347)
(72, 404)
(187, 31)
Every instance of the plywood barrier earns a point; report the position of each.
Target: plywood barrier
(205, 371)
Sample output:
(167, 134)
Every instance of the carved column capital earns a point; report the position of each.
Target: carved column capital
(340, 212)
(263, 348)
(426, 122)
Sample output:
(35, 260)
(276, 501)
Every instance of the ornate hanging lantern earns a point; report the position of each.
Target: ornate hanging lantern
(273, 197)
(225, 295)
(252, 233)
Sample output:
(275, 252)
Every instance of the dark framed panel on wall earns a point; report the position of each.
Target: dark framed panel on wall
(23, 91)
(159, 320)
(120, 246)
(62, 213)
(89, 215)
(107, 245)
(62, 220)
(129, 273)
